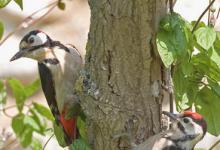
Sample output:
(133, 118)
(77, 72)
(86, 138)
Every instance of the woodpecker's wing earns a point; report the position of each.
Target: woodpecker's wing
(48, 89)
(49, 92)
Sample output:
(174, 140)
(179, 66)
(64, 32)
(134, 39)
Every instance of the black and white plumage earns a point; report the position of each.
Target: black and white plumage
(59, 66)
(187, 130)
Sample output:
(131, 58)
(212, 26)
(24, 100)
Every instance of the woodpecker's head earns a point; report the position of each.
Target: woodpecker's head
(189, 125)
(33, 45)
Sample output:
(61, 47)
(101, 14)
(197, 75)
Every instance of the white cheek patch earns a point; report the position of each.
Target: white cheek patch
(42, 37)
(39, 39)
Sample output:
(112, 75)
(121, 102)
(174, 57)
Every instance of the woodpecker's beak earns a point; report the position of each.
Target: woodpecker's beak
(18, 55)
(22, 51)
(171, 115)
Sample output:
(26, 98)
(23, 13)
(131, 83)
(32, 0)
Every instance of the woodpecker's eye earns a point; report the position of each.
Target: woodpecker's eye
(31, 40)
(186, 120)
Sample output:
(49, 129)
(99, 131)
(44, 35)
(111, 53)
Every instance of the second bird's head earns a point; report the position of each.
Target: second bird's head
(188, 123)
(33, 45)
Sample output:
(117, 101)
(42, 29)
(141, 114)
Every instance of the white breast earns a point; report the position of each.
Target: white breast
(65, 75)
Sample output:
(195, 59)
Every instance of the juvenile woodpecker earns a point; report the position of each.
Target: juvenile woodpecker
(59, 67)
(187, 130)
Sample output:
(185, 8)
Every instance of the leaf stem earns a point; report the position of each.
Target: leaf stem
(28, 21)
(47, 142)
(203, 13)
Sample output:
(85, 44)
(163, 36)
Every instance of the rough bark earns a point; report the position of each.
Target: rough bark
(121, 94)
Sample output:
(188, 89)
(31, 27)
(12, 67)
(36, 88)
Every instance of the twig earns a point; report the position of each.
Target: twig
(218, 13)
(6, 114)
(11, 107)
(172, 97)
(203, 13)
(171, 6)
(30, 20)
(214, 145)
(47, 142)
(209, 13)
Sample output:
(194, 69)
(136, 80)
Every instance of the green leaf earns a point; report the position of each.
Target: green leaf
(218, 35)
(215, 86)
(184, 103)
(18, 124)
(199, 25)
(215, 56)
(172, 38)
(18, 92)
(26, 136)
(3, 94)
(36, 144)
(44, 111)
(180, 89)
(61, 5)
(22, 130)
(192, 88)
(32, 88)
(20, 3)
(39, 120)
(3, 3)
(21, 92)
(58, 131)
(164, 49)
(205, 37)
(81, 125)
(207, 104)
(187, 67)
(206, 66)
(29, 121)
(180, 83)
(1, 30)
(80, 144)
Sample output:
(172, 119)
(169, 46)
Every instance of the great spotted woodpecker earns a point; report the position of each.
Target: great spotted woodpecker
(59, 66)
(187, 130)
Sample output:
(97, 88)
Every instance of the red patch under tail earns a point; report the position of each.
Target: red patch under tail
(69, 126)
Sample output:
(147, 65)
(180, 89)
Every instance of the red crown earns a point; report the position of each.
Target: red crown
(193, 115)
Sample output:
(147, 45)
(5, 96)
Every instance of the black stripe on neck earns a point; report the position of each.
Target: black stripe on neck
(182, 139)
(53, 61)
(60, 45)
(181, 127)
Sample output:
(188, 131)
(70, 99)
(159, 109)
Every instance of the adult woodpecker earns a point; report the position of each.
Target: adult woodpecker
(187, 130)
(59, 67)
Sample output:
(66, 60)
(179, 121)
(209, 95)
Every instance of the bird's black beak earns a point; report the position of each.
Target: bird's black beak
(18, 55)
(171, 115)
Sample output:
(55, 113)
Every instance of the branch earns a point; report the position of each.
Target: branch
(203, 13)
(214, 145)
(11, 107)
(171, 6)
(47, 142)
(209, 13)
(28, 21)
(218, 13)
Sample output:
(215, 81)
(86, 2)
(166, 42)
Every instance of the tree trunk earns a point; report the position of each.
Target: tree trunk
(121, 82)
